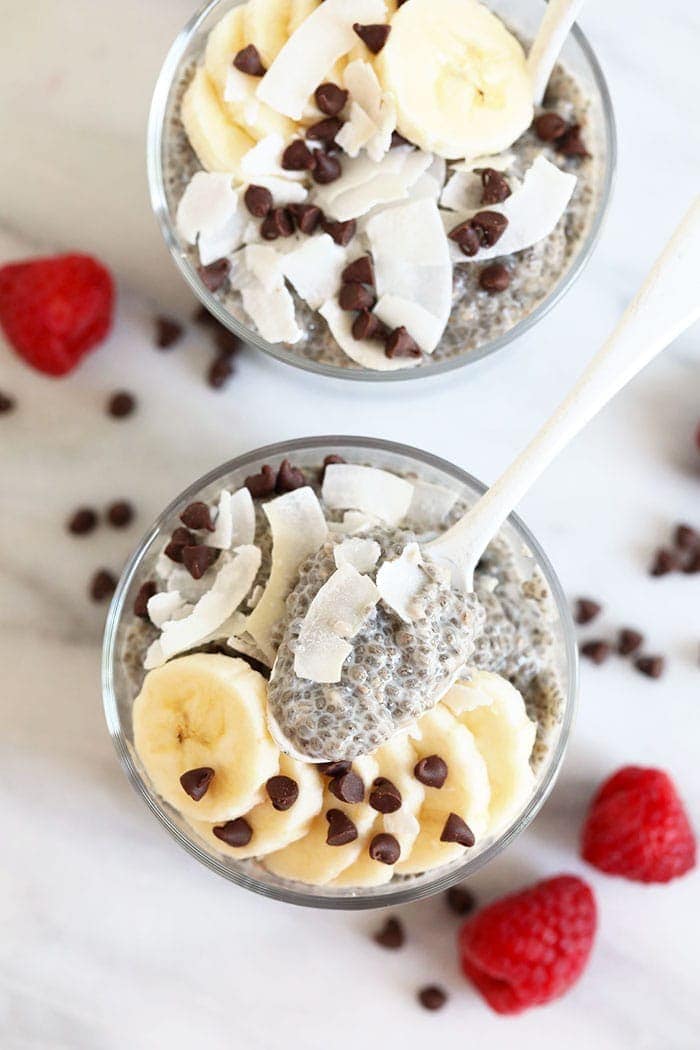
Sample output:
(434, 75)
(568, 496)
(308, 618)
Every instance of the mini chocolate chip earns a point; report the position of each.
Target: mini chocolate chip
(307, 217)
(398, 140)
(651, 666)
(385, 849)
(598, 651)
(664, 561)
(354, 296)
(289, 478)
(432, 997)
(102, 585)
(334, 769)
(460, 901)
(215, 275)
(326, 169)
(282, 792)
(236, 833)
(121, 404)
(341, 232)
(391, 935)
(248, 61)
(490, 225)
(368, 326)
(400, 343)
(324, 130)
(466, 237)
(457, 830)
(686, 537)
(431, 771)
(341, 829)
(298, 157)
(195, 782)
(258, 201)
(385, 797)
(279, 223)
(197, 516)
(628, 641)
(495, 186)
(145, 592)
(360, 270)
(586, 610)
(549, 126)
(7, 403)
(180, 539)
(692, 565)
(198, 558)
(82, 521)
(373, 36)
(494, 278)
(120, 514)
(168, 332)
(347, 787)
(220, 371)
(262, 484)
(330, 99)
(571, 144)
(328, 462)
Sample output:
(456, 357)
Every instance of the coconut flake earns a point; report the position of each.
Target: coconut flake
(533, 210)
(272, 313)
(462, 192)
(368, 489)
(401, 581)
(335, 615)
(381, 142)
(265, 159)
(312, 50)
(298, 529)
(430, 505)
(423, 326)
(421, 272)
(362, 554)
(168, 605)
(361, 81)
(264, 263)
(210, 215)
(233, 581)
(358, 171)
(314, 269)
(356, 132)
(364, 352)
(354, 522)
(235, 520)
(381, 187)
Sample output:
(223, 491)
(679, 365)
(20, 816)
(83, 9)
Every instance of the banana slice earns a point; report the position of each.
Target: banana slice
(206, 711)
(217, 141)
(395, 760)
(465, 792)
(459, 78)
(494, 713)
(225, 40)
(310, 859)
(274, 829)
(265, 24)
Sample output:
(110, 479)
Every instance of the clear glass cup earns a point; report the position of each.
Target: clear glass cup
(525, 16)
(119, 688)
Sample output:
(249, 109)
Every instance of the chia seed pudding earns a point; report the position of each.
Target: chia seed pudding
(481, 311)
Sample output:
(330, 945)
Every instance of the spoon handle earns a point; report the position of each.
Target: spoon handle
(665, 306)
(554, 29)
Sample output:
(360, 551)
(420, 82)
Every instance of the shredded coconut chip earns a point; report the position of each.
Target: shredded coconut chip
(364, 352)
(362, 554)
(368, 489)
(235, 520)
(401, 581)
(210, 215)
(314, 269)
(430, 505)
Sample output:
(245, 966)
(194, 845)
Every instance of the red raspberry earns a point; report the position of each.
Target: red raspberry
(53, 311)
(637, 827)
(531, 947)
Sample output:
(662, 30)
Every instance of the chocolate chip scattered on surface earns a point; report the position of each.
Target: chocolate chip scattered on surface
(289, 478)
(168, 332)
(385, 849)
(431, 771)
(198, 559)
(197, 516)
(341, 829)
(326, 169)
(586, 610)
(628, 641)
(400, 343)
(460, 901)
(248, 61)
(258, 201)
(220, 371)
(347, 787)
(195, 782)
(341, 232)
(457, 830)
(385, 797)
(215, 275)
(262, 484)
(361, 270)
(283, 792)
(145, 592)
(432, 997)
(121, 404)
(663, 562)
(330, 99)
(495, 278)
(391, 935)
(120, 514)
(180, 539)
(651, 666)
(7, 404)
(549, 127)
(298, 157)
(495, 188)
(82, 521)
(102, 585)
(236, 833)
(374, 36)
(596, 650)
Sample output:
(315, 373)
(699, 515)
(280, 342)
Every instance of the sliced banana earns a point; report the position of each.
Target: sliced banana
(465, 792)
(310, 859)
(218, 142)
(225, 41)
(395, 760)
(459, 77)
(206, 711)
(494, 713)
(273, 829)
(265, 24)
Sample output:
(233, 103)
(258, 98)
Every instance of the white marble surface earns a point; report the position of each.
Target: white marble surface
(110, 936)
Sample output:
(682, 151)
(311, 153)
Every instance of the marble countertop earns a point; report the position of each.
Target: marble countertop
(110, 936)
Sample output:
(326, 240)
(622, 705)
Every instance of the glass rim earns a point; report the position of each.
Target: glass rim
(363, 899)
(160, 207)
